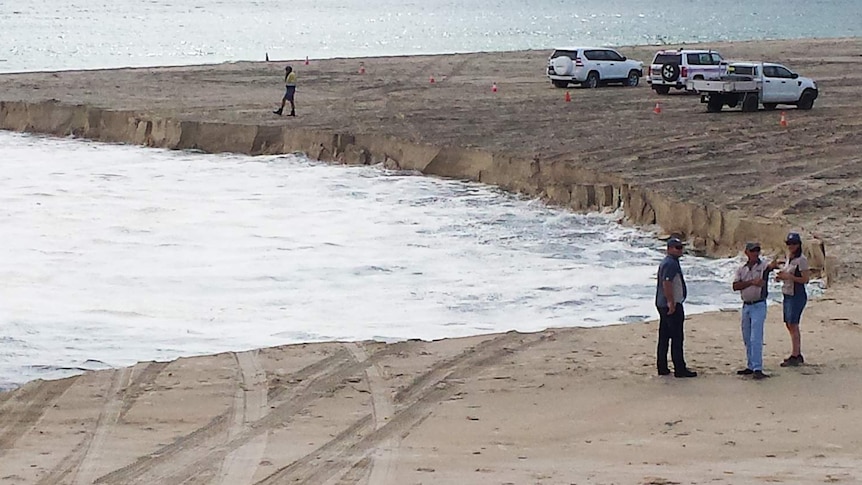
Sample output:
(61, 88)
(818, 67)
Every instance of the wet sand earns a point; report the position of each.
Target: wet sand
(560, 406)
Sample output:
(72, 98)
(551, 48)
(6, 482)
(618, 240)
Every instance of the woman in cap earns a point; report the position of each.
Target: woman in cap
(794, 275)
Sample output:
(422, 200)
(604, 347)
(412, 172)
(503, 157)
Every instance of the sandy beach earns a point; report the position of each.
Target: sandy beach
(562, 406)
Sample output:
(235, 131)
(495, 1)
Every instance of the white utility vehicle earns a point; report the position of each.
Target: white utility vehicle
(750, 84)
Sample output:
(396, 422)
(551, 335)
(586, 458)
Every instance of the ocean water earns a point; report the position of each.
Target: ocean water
(76, 34)
(115, 254)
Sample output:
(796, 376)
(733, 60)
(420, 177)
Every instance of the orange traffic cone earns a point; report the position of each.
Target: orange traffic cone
(657, 109)
(431, 79)
(783, 121)
(494, 88)
(568, 97)
(361, 68)
(306, 60)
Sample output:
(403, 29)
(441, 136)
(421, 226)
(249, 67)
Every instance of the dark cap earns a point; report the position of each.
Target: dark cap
(752, 245)
(793, 238)
(674, 241)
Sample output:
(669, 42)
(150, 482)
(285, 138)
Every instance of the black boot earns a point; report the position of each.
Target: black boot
(292, 113)
(278, 111)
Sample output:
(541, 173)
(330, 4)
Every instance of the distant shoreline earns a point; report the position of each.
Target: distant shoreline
(301, 59)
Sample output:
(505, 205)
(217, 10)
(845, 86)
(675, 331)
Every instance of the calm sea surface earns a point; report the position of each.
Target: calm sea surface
(115, 254)
(51, 34)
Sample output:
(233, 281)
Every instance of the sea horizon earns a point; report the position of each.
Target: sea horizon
(51, 37)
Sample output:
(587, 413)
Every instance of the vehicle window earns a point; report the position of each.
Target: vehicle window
(561, 53)
(595, 55)
(769, 71)
(667, 59)
(781, 72)
(613, 56)
(697, 59)
(716, 58)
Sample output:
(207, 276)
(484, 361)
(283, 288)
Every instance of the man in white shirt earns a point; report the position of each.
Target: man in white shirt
(751, 283)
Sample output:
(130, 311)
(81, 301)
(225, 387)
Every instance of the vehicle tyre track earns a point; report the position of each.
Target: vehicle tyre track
(195, 453)
(82, 463)
(344, 452)
(91, 464)
(21, 412)
(250, 405)
(359, 473)
(383, 408)
(141, 384)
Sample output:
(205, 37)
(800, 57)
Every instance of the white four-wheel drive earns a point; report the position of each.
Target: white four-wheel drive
(592, 66)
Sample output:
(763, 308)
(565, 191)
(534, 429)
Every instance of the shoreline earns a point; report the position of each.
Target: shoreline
(300, 60)
(558, 406)
(565, 405)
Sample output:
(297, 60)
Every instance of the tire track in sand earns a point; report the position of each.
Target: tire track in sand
(250, 405)
(20, 413)
(92, 464)
(142, 383)
(344, 453)
(198, 452)
(83, 464)
(383, 409)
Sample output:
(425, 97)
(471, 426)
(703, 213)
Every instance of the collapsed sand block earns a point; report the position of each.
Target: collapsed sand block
(217, 137)
(165, 133)
(269, 140)
(558, 195)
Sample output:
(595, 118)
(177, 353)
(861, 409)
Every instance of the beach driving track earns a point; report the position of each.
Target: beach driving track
(232, 445)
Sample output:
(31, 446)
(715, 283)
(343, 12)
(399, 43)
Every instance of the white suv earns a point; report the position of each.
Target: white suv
(591, 66)
(675, 68)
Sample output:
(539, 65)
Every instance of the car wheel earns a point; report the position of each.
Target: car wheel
(806, 101)
(770, 106)
(661, 89)
(714, 105)
(750, 102)
(670, 72)
(633, 79)
(560, 84)
(592, 80)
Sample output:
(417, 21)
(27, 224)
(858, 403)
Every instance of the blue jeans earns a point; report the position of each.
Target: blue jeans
(753, 318)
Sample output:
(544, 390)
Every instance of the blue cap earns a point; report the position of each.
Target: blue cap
(793, 238)
(674, 241)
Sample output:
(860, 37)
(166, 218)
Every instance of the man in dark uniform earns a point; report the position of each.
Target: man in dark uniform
(289, 91)
(669, 297)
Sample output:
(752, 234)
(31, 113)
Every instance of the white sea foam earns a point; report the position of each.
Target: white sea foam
(115, 254)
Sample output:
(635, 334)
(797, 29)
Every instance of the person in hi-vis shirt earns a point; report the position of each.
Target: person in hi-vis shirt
(289, 91)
